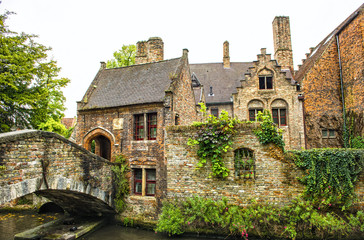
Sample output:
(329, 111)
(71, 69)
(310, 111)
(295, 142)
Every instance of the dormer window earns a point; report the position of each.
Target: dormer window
(265, 82)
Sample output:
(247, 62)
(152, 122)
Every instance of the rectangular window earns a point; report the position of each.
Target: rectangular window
(328, 133)
(279, 116)
(150, 182)
(215, 112)
(144, 181)
(152, 126)
(139, 127)
(138, 181)
(253, 113)
(265, 82)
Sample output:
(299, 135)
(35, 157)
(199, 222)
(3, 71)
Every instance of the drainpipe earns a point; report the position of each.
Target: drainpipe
(341, 75)
(342, 93)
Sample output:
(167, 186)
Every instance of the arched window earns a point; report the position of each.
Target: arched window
(254, 107)
(280, 112)
(244, 163)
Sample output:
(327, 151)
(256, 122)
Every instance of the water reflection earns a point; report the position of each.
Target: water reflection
(12, 223)
(116, 232)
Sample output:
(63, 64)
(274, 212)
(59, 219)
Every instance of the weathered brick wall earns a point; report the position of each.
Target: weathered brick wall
(43, 161)
(145, 153)
(275, 179)
(183, 95)
(293, 133)
(351, 46)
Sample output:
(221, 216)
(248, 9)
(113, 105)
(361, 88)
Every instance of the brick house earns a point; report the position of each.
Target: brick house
(332, 79)
(125, 110)
(245, 88)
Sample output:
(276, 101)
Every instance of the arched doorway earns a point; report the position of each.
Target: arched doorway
(101, 146)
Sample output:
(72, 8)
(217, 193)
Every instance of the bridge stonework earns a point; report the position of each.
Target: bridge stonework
(56, 168)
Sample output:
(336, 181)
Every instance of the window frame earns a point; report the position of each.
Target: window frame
(256, 110)
(144, 181)
(138, 126)
(328, 133)
(147, 182)
(217, 112)
(267, 79)
(152, 126)
(137, 181)
(277, 120)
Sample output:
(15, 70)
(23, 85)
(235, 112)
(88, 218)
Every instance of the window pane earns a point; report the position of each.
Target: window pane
(151, 175)
(138, 175)
(215, 112)
(275, 116)
(283, 117)
(251, 115)
(261, 82)
(150, 188)
(269, 82)
(332, 133)
(153, 119)
(153, 133)
(324, 132)
(138, 187)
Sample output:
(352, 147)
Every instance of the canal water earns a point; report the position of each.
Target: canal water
(12, 223)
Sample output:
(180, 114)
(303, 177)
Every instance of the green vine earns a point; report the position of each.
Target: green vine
(330, 174)
(268, 131)
(214, 138)
(121, 182)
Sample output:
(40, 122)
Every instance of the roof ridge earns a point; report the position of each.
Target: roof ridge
(142, 64)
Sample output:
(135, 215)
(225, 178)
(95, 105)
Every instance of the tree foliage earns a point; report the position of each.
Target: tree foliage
(30, 92)
(123, 57)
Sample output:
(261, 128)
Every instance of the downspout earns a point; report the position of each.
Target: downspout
(342, 92)
(341, 75)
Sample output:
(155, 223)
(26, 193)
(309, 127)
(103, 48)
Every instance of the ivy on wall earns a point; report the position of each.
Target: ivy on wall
(214, 138)
(120, 172)
(330, 174)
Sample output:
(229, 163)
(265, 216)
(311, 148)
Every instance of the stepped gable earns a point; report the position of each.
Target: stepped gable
(222, 80)
(137, 84)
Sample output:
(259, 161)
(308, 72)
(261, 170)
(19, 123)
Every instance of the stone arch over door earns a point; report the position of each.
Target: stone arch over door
(100, 141)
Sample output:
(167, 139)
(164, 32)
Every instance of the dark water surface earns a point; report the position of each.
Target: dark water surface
(12, 223)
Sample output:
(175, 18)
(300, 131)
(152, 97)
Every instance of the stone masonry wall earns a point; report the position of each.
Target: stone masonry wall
(37, 161)
(275, 180)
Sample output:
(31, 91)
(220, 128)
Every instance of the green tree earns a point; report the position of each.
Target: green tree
(123, 57)
(30, 92)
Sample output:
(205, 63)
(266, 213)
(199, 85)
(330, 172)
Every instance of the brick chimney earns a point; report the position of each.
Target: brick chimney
(149, 51)
(226, 58)
(282, 42)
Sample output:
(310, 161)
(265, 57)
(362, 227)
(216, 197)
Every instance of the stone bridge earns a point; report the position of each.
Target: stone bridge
(51, 166)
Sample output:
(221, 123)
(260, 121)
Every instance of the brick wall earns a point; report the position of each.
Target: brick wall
(275, 179)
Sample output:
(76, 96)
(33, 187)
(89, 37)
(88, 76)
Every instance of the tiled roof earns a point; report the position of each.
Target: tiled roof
(222, 80)
(137, 84)
(321, 47)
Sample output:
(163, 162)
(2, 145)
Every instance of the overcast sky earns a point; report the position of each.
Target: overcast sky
(82, 33)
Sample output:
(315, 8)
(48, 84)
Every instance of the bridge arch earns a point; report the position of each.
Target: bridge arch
(49, 165)
(99, 141)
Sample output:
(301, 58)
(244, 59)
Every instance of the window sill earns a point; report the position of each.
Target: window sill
(140, 197)
(143, 141)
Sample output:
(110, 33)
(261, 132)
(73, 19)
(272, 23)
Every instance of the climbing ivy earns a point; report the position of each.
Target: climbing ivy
(214, 138)
(268, 132)
(330, 174)
(121, 182)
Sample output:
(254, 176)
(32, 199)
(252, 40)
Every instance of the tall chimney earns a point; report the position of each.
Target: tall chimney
(141, 52)
(226, 58)
(282, 42)
(155, 49)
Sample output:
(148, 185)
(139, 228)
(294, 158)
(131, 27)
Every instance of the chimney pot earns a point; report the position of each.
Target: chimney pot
(102, 65)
